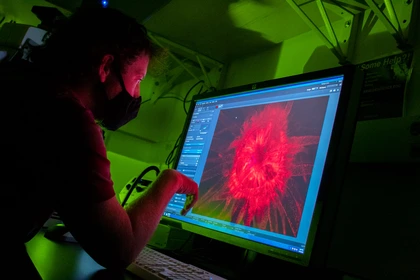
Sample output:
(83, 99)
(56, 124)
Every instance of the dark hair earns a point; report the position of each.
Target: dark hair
(75, 49)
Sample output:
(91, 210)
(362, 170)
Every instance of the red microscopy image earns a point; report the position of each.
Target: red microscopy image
(260, 163)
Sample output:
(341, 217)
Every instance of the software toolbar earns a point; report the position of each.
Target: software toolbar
(195, 140)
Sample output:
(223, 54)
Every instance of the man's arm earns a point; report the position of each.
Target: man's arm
(113, 236)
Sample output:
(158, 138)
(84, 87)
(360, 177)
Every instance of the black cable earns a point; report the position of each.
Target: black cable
(167, 97)
(186, 96)
(174, 97)
(171, 154)
(188, 93)
(170, 158)
(145, 101)
(133, 186)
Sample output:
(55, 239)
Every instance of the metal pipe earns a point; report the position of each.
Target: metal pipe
(175, 58)
(185, 49)
(168, 85)
(388, 24)
(328, 26)
(393, 16)
(315, 28)
(353, 3)
(204, 71)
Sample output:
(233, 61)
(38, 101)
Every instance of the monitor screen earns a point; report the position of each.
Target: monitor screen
(258, 154)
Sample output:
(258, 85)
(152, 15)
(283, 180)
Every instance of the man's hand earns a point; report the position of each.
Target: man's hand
(184, 186)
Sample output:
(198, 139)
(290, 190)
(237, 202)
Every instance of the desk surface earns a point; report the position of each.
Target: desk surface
(62, 260)
(68, 261)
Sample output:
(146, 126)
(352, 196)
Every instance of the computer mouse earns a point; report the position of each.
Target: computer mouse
(59, 233)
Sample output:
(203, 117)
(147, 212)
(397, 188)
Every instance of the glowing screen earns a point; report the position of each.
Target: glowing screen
(258, 157)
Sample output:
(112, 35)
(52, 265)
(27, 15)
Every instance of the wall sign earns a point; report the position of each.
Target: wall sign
(384, 86)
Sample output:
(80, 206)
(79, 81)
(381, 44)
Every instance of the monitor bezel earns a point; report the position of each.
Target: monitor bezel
(319, 234)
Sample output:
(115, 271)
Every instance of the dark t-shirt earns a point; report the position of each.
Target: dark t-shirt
(54, 156)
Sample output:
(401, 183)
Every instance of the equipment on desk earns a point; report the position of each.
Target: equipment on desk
(151, 264)
(270, 159)
(136, 185)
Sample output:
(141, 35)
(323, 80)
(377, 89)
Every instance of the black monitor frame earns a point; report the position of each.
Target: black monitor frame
(337, 158)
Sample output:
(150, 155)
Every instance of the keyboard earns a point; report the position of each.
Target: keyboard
(153, 265)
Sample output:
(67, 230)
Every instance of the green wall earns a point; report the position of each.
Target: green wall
(150, 137)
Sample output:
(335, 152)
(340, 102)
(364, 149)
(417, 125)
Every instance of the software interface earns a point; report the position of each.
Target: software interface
(258, 157)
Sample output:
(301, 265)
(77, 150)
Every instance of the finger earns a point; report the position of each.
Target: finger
(194, 199)
(184, 209)
(189, 203)
(184, 212)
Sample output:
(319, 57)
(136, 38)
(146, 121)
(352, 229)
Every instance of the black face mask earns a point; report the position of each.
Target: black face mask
(121, 109)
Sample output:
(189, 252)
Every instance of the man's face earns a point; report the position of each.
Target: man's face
(132, 75)
(112, 104)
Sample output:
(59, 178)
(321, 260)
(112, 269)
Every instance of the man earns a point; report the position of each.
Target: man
(88, 74)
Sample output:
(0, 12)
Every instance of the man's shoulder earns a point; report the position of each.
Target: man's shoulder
(71, 117)
(67, 108)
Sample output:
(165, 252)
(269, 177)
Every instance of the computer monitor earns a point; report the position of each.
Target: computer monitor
(262, 154)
